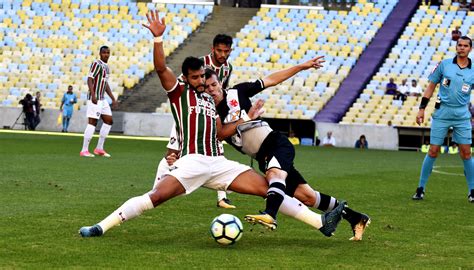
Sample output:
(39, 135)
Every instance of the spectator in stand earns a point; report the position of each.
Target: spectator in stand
(361, 143)
(403, 90)
(294, 140)
(391, 88)
(415, 89)
(456, 34)
(329, 140)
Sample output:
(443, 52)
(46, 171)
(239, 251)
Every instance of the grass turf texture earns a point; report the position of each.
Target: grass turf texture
(47, 192)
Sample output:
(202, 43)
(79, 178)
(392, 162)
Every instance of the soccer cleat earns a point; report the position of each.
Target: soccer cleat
(358, 229)
(91, 231)
(101, 152)
(264, 219)
(470, 198)
(225, 203)
(419, 194)
(86, 154)
(332, 219)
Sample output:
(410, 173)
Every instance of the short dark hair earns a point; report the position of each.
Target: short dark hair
(465, 38)
(222, 39)
(191, 63)
(104, 48)
(210, 72)
(69, 86)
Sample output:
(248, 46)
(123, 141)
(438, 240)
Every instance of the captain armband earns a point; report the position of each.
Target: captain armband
(424, 102)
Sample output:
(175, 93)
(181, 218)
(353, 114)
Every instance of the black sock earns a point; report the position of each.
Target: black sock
(275, 197)
(327, 203)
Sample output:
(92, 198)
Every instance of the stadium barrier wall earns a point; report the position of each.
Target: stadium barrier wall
(136, 124)
(152, 124)
(378, 137)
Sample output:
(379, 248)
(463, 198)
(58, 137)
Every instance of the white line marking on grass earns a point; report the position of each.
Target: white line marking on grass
(81, 135)
(448, 173)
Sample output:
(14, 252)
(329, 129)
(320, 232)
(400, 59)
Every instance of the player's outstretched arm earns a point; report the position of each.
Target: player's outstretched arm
(157, 28)
(225, 131)
(284, 74)
(420, 117)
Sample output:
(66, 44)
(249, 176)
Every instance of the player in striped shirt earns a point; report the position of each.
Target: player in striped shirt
(218, 59)
(97, 106)
(201, 163)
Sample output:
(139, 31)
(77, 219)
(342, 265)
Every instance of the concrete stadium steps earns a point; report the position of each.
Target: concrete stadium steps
(149, 94)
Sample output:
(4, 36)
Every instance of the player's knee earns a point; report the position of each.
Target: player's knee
(465, 154)
(275, 173)
(433, 152)
(155, 197)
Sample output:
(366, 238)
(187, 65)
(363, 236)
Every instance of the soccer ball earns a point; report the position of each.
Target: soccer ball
(226, 229)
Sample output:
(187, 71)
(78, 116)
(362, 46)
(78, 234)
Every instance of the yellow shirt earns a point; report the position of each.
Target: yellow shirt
(294, 140)
(425, 148)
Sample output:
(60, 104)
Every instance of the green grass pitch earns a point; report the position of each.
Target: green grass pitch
(47, 192)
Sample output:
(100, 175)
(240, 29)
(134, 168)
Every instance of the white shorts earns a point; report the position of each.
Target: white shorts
(96, 110)
(195, 170)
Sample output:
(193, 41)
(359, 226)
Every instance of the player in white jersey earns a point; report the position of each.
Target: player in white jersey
(97, 106)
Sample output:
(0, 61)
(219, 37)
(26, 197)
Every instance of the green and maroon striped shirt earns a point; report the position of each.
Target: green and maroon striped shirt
(223, 72)
(99, 71)
(195, 117)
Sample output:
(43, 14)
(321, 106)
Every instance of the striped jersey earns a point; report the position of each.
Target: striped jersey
(223, 72)
(195, 117)
(100, 72)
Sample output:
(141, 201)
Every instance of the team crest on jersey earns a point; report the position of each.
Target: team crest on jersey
(234, 103)
(172, 140)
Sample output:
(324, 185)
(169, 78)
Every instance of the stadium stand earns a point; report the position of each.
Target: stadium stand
(47, 45)
(269, 43)
(425, 42)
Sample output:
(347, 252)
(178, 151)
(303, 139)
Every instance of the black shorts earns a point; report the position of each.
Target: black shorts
(277, 146)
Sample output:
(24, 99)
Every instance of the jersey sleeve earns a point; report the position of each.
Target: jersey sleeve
(94, 69)
(64, 98)
(226, 83)
(437, 73)
(250, 89)
(175, 92)
(75, 98)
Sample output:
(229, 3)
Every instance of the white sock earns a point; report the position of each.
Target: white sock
(297, 210)
(88, 133)
(130, 209)
(104, 131)
(221, 194)
(161, 170)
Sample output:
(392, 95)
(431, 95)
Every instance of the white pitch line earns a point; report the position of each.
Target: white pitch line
(447, 173)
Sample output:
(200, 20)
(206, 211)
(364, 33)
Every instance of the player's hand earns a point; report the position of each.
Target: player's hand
(171, 159)
(314, 63)
(257, 109)
(155, 25)
(114, 104)
(94, 100)
(420, 117)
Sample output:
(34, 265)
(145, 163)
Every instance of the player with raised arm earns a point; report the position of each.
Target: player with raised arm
(272, 150)
(97, 106)
(200, 162)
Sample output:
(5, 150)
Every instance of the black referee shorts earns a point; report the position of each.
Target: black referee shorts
(277, 146)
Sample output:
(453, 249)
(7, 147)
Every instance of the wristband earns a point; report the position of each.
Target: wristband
(158, 39)
(424, 102)
(246, 118)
